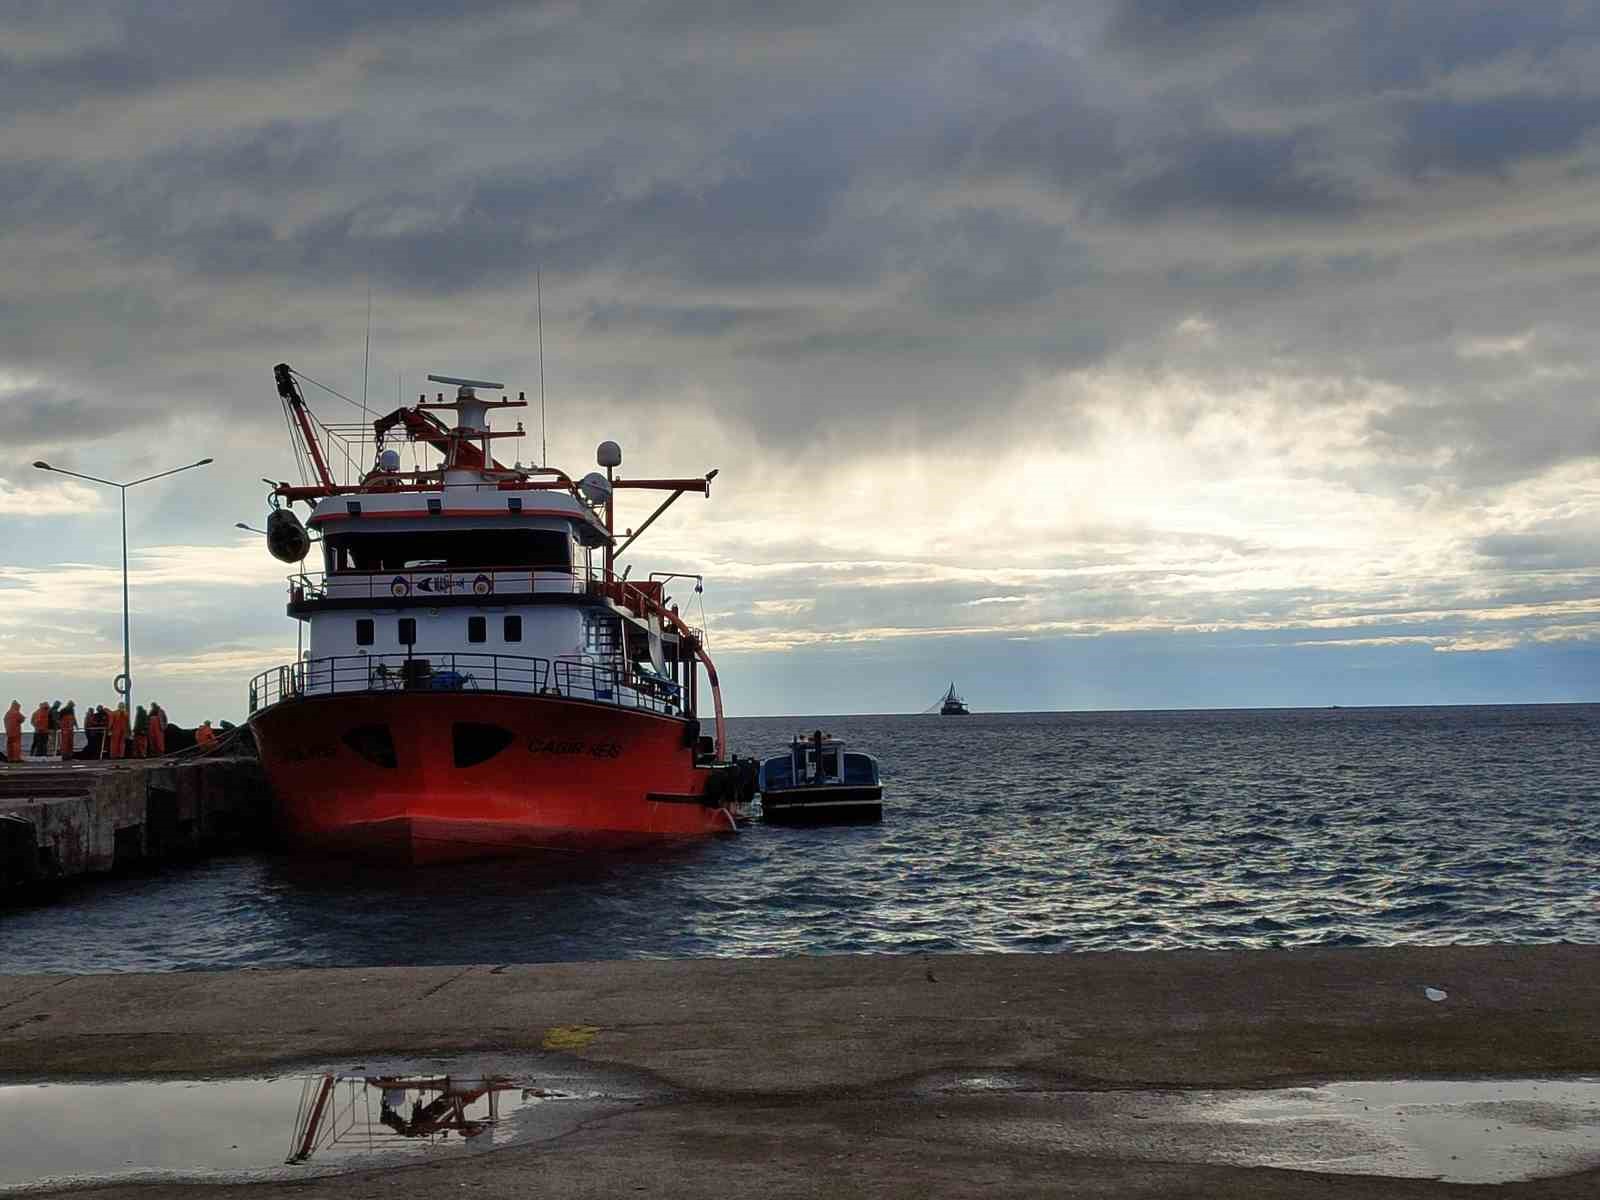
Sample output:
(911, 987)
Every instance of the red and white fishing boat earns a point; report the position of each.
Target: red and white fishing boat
(479, 678)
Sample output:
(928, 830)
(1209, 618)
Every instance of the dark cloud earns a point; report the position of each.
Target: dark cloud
(1162, 24)
(1378, 45)
(1244, 176)
(698, 320)
(1536, 550)
(988, 262)
(923, 205)
(131, 48)
(1038, 119)
(1494, 441)
(1488, 135)
(45, 416)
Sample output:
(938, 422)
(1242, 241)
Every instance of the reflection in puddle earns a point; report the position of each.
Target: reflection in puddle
(291, 1126)
(337, 1110)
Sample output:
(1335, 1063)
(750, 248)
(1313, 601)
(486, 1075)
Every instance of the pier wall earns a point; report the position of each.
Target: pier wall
(73, 820)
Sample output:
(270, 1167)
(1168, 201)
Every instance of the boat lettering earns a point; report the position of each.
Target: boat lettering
(307, 753)
(573, 746)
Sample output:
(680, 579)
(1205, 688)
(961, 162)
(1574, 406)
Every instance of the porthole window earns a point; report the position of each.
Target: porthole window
(373, 743)
(477, 629)
(364, 631)
(474, 743)
(513, 629)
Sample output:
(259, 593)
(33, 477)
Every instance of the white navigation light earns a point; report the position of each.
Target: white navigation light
(609, 454)
(389, 460)
(595, 487)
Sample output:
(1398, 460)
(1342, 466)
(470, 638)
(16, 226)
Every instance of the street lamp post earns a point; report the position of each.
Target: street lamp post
(127, 669)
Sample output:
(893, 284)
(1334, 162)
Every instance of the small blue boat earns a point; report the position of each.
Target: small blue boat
(819, 782)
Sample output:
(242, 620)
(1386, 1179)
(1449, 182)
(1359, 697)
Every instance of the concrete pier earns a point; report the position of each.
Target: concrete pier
(69, 820)
(882, 1076)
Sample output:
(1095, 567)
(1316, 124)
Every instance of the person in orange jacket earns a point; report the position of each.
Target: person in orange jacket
(119, 731)
(158, 730)
(205, 735)
(41, 731)
(69, 730)
(14, 732)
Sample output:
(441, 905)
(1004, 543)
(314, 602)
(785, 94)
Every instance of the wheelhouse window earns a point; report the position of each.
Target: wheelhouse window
(477, 629)
(513, 629)
(364, 631)
(408, 631)
(451, 550)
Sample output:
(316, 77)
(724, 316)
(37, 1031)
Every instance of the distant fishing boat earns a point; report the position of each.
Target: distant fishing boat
(953, 705)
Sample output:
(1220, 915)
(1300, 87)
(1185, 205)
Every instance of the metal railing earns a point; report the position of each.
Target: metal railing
(452, 672)
(428, 582)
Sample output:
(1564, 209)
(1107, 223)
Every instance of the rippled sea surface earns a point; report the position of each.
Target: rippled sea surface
(1032, 832)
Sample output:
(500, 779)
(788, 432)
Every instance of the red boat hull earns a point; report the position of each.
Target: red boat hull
(442, 776)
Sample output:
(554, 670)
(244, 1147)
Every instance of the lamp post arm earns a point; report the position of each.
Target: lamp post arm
(81, 475)
(164, 474)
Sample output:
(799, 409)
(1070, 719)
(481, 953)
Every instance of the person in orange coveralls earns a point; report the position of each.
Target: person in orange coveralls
(69, 730)
(14, 732)
(41, 731)
(205, 735)
(119, 731)
(158, 730)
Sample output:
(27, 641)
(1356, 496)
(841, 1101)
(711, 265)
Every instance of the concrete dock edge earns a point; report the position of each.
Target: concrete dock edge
(794, 1062)
(72, 821)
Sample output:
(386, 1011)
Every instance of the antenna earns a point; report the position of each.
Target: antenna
(544, 446)
(366, 363)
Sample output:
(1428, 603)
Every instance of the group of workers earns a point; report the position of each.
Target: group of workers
(107, 731)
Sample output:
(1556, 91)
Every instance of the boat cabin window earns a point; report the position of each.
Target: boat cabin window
(477, 629)
(364, 631)
(830, 763)
(513, 629)
(451, 549)
(408, 631)
(858, 769)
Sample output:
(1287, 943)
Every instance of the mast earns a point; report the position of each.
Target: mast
(290, 391)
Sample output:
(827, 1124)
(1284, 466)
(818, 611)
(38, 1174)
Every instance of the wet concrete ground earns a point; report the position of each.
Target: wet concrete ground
(1114, 1074)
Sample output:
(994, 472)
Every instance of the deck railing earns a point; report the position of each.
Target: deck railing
(452, 672)
(379, 586)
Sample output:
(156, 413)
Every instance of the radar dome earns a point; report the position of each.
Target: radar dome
(609, 454)
(389, 460)
(595, 487)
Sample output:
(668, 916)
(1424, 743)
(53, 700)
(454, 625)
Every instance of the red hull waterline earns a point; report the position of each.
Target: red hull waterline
(431, 777)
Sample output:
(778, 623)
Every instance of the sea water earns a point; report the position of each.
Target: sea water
(1012, 833)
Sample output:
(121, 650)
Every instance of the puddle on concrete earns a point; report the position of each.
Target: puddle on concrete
(1461, 1131)
(290, 1126)
(381, 1113)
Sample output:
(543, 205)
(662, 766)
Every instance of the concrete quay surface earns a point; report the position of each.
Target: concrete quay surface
(829, 1076)
(67, 820)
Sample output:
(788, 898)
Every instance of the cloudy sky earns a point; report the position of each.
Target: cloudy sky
(1171, 353)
